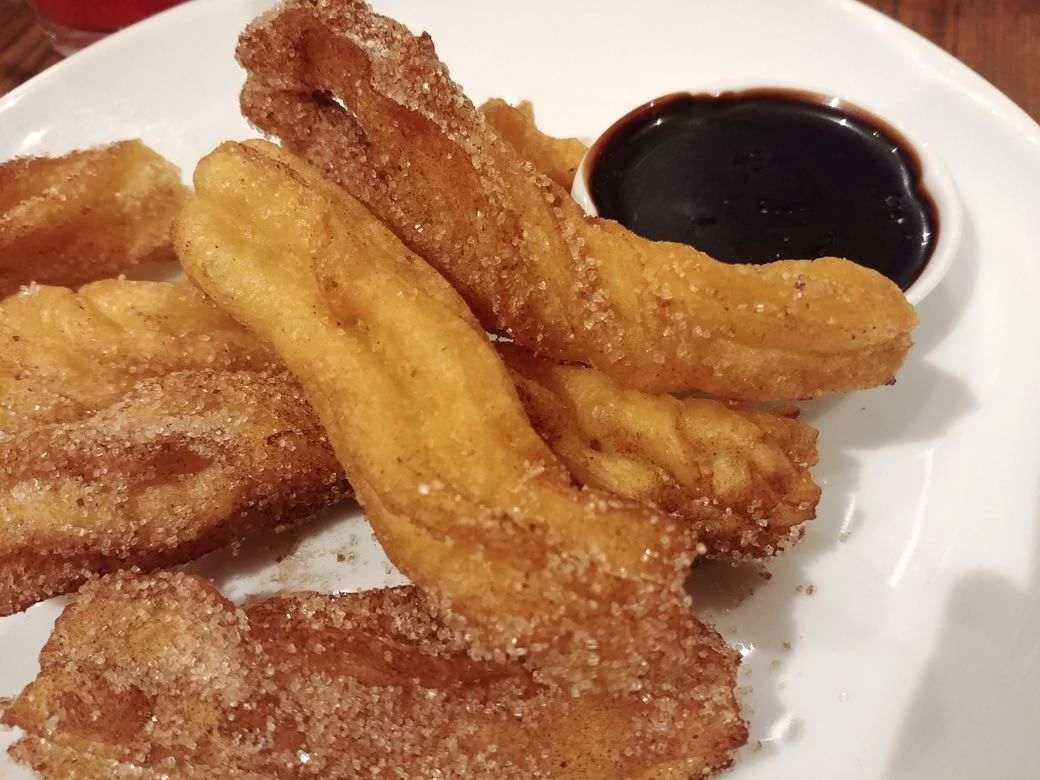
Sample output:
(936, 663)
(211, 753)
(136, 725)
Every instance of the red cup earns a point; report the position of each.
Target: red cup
(73, 24)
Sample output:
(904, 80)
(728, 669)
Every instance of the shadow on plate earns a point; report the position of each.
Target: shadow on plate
(975, 711)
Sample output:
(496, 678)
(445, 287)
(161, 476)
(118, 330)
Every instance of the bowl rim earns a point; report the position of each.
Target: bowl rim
(935, 179)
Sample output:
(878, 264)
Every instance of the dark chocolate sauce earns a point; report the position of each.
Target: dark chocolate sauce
(766, 174)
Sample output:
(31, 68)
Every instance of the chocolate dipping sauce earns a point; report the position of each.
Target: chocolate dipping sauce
(765, 174)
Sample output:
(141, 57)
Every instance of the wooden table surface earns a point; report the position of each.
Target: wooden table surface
(998, 38)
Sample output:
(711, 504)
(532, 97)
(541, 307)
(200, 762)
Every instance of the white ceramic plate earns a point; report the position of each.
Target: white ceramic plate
(918, 654)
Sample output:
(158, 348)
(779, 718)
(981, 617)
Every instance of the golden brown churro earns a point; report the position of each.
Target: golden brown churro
(739, 477)
(557, 158)
(161, 677)
(465, 497)
(64, 354)
(84, 216)
(370, 105)
(160, 431)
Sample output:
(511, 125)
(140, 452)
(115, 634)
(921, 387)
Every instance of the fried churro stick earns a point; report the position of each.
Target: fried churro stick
(84, 216)
(465, 497)
(140, 426)
(739, 477)
(183, 464)
(162, 677)
(64, 354)
(656, 316)
(557, 158)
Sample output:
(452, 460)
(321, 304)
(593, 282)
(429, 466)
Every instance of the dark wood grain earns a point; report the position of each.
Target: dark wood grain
(998, 38)
(24, 49)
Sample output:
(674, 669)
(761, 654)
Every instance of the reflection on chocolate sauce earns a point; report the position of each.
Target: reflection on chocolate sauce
(766, 174)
